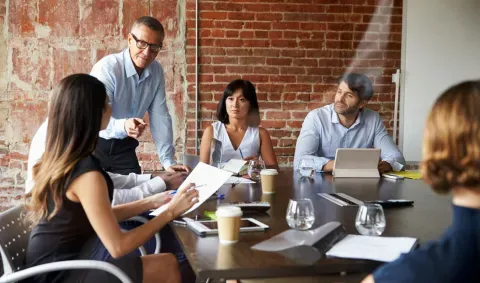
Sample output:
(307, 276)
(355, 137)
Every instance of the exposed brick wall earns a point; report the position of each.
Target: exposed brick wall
(43, 41)
(293, 51)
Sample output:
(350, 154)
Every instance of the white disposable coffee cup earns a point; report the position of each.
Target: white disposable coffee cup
(269, 178)
(228, 218)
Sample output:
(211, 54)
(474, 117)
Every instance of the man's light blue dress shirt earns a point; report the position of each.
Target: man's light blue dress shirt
(131, 96)
(322, 134)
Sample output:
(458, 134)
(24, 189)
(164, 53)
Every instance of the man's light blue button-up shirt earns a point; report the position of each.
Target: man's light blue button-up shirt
(322, 133)
(131, 96)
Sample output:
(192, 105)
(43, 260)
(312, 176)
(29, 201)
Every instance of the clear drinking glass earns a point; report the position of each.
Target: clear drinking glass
(300, 214)
(216, 153)
(254, 168)
(307, 167)
(370, 220)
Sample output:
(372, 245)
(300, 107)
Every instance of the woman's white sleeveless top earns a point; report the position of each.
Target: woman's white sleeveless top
(250, 145)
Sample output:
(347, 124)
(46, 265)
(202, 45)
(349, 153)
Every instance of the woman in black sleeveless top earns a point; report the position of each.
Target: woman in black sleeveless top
(70, 202)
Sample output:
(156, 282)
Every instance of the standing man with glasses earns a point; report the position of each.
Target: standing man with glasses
(135, 84)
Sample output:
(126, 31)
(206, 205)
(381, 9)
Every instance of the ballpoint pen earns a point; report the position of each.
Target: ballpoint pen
(241, 154)
(175, 191)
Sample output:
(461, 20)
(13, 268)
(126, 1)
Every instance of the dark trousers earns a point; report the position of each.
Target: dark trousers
(118, 155)
(169, 244)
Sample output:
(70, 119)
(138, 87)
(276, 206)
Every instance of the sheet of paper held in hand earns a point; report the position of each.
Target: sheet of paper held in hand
(384, 249)
(208, 178)
(234, 165)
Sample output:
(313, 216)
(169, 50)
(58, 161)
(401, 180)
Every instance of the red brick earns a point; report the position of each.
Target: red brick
(284, 8)
(273, 124)
(100, 18)
(299, 114)
(228, 42)
(298, 88)
(213, 15)
(256, 78)
(339, 44)
(238, 52)
(313, 26)
(265, 105)
(241, 16)
(284, 43)
(294, 106)
(270, 87)
(275, 97)
(297, 34)
(292, 70)
(295, 124)
(279, 61)
(225, 79)
(302, 17)
(287, 142)
(226, 24)
(212, 51)
(305, 62)
(61, 16)
(247, 34)
(317, 44)
(232, 33)
(271, 17)
(312, 8)
(278, 115)
(284, 151)
(225, 6)
(286, 25)
(256, 7)
(325, 18)
(256, 43)
(339, 9)
(283, 79)
(266, 70)
(240, 69)
(258, 25)
(266, 52)
(215, 33)
(292, 53)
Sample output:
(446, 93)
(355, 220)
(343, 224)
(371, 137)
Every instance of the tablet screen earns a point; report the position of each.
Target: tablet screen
(243, 224)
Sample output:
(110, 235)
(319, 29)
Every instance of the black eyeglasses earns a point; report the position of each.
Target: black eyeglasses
(142, 44)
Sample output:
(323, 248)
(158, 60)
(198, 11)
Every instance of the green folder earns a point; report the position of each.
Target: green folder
(408, 174)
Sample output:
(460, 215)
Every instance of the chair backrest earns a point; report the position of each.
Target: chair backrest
(14, 236)
(191, 160)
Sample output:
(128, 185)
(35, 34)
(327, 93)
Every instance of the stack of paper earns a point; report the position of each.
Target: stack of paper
(234, 165)
(239, 180)
(384, 249)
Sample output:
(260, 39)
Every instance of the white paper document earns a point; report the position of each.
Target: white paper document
(239, 180)
(208, 179)
(293, 238)
(384, 249)
(234, 165)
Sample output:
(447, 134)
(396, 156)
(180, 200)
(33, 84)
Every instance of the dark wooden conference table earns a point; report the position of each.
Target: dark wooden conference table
(426, 220)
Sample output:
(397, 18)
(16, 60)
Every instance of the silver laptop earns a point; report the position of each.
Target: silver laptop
(356, 163)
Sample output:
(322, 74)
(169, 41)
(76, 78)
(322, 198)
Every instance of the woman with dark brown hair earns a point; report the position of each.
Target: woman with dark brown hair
(451, 164)
(69, 205)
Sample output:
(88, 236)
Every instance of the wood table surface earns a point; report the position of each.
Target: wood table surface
(426, 220)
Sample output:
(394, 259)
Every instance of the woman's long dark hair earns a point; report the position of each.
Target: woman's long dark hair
(74, 120)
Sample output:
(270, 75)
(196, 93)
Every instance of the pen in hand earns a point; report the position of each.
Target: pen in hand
(199, 186)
